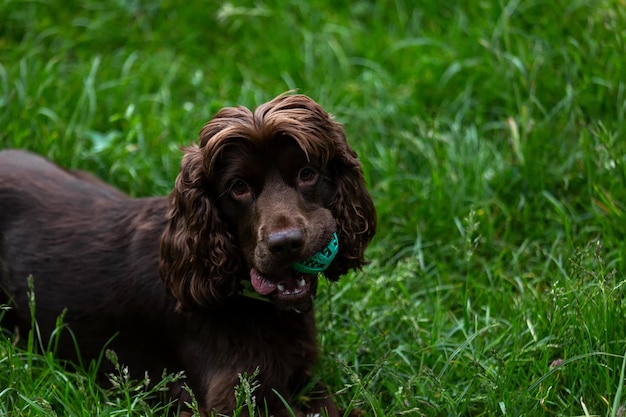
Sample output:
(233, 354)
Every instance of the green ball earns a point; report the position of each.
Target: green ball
(321, 260)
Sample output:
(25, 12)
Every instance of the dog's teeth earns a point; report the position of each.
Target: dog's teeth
(301, 283)
(281, 287)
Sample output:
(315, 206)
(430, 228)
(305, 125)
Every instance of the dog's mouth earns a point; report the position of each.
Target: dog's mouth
(289, 285)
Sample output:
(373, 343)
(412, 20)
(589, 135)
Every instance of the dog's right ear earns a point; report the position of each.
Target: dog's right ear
(198, 258)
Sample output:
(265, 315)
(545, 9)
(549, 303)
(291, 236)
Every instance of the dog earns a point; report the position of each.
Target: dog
(202, 281)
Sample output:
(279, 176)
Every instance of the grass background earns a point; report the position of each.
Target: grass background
(492, 134)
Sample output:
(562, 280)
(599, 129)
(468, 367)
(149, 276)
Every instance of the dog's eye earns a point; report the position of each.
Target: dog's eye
(307, 174)
(239, 187)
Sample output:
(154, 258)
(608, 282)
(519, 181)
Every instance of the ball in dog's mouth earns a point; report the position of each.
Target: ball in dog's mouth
(321, 260)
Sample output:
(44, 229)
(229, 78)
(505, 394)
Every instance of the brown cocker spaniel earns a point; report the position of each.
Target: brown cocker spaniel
(204, 281)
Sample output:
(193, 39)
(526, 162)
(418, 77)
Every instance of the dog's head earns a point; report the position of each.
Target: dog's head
(261, 191)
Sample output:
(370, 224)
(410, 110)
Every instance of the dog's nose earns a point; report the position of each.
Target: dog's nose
(288, 242)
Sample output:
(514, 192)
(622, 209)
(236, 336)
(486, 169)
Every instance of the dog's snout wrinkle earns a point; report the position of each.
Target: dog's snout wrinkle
(286, 242)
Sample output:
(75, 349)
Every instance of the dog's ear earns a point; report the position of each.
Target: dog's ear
(198, 257)
(352, 207)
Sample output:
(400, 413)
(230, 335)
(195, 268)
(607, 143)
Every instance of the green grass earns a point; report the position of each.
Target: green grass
(492, 134)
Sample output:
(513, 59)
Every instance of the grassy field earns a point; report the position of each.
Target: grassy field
(493, 136)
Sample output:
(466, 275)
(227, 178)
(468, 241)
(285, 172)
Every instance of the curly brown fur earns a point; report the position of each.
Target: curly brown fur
(258, 192)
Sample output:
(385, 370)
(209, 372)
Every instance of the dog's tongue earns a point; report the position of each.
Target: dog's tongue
(261, 285)
(287, 283)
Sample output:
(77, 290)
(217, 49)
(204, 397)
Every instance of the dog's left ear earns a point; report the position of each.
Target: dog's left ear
(352, 206)
(198, 256)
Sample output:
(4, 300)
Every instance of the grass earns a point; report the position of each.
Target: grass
(492, 136)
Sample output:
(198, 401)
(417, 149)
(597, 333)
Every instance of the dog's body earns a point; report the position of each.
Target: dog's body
(259, 192)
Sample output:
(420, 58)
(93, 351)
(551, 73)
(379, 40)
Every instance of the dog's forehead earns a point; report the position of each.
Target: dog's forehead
(278, 151)
(286, 151)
